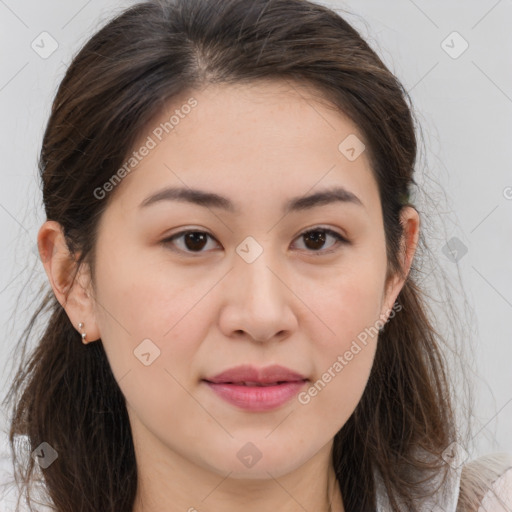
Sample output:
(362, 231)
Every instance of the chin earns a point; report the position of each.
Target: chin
(251, 463)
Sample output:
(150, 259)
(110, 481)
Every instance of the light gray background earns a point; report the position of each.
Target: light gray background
(464, 105)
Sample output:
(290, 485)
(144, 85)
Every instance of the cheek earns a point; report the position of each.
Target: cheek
(348, 306)
(144, 296)
(332, 398)
(140, 311)
(151, 331)
(349, 309)
(344, 357)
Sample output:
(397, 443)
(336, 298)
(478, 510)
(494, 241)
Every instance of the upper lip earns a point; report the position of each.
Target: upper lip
(266, 375)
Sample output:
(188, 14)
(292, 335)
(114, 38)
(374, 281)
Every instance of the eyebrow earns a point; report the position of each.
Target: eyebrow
(213, 200)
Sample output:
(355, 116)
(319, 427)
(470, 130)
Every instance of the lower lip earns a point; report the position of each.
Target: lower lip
(257, 398)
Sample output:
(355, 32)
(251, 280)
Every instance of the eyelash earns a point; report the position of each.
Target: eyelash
(341, 240)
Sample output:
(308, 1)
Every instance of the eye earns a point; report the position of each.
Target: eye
(317, 237)
(193, 241)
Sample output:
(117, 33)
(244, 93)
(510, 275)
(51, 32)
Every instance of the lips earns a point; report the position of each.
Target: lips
(247, 375)
(257, 390)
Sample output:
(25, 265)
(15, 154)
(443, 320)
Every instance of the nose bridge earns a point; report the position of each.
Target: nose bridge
(258, 305)
(255, 269)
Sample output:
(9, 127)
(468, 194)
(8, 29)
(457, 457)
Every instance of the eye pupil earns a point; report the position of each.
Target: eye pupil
(193, 237)
(318, 239)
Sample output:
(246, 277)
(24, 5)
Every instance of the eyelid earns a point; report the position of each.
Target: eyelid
(341, 240)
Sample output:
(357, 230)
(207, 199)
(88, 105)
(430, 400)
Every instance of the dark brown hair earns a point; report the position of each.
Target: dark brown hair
(65, 393)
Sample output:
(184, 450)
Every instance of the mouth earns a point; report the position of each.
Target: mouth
(256, 389)
(250, 375)
(256, 396)
(255, 384)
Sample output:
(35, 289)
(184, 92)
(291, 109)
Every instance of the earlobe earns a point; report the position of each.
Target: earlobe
(70, 285)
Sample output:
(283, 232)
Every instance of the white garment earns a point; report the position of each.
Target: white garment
(499, 497)
(444, 501)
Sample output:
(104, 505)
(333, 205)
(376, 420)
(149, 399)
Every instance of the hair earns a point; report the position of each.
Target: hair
(65, 393)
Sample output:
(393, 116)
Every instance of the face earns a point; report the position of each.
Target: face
(184, 291)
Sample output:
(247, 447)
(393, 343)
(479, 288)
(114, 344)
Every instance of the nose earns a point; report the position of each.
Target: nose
(258, 301)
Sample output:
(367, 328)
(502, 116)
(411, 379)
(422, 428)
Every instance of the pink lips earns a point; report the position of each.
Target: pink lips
(256, 389)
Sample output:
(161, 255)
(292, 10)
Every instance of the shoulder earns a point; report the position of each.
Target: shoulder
(486, 484)
(499, 496)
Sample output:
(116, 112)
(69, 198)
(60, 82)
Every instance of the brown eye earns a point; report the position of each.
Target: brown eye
(195, 240)
(315, 240)
(192, 241)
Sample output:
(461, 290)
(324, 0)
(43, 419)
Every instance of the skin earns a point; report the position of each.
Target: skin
(208, 311)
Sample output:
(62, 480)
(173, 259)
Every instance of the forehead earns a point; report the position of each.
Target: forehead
(250, 141)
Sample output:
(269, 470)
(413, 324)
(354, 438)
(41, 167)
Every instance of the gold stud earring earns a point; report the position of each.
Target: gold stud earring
(83, 334)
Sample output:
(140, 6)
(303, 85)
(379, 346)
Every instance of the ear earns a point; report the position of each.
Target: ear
(74, 293)
(410, 220)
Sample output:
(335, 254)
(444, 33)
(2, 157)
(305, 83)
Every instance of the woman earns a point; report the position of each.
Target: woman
(229, 235)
